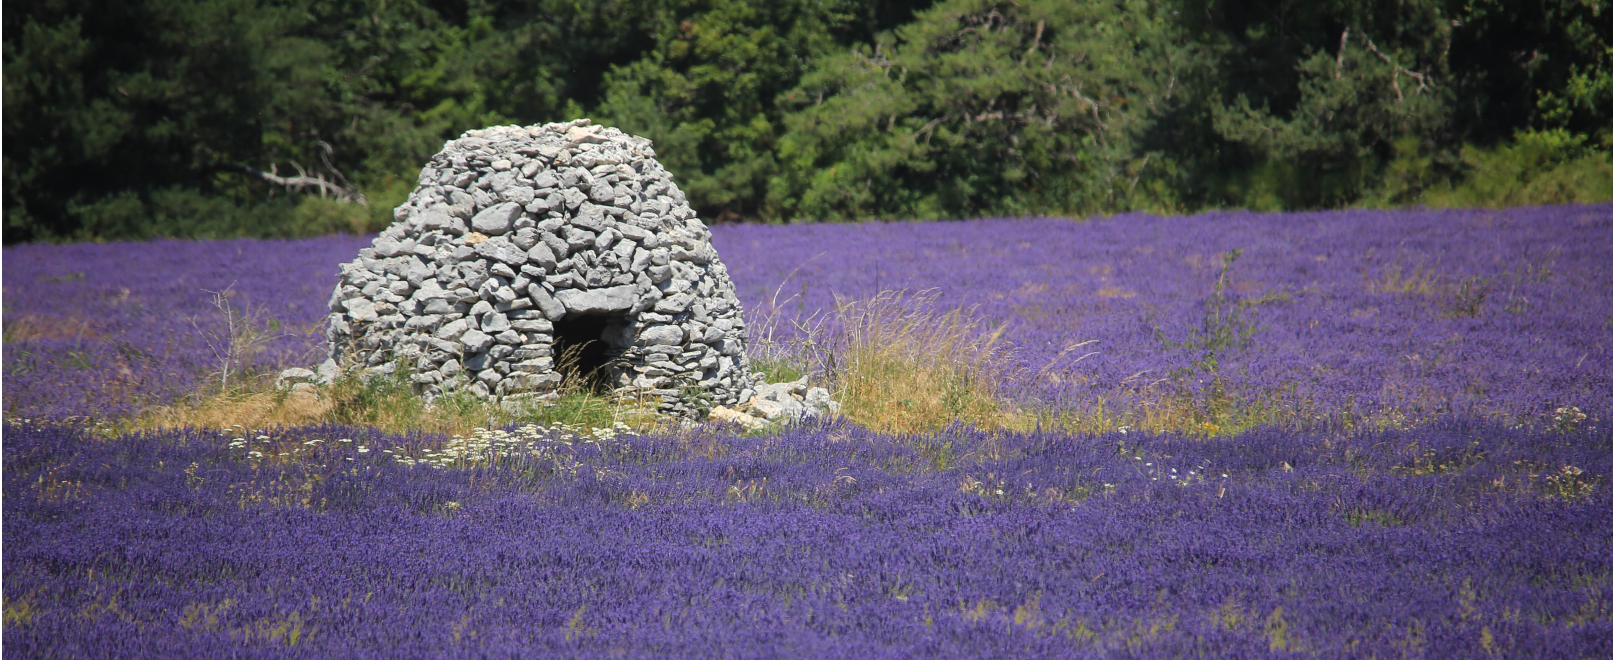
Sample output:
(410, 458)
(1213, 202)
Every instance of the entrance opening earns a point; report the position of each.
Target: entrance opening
(584, 352)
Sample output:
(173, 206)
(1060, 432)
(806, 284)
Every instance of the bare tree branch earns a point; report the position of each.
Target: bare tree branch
(924, 131)
(303, 180)
(1340, 53)
(1397, 70)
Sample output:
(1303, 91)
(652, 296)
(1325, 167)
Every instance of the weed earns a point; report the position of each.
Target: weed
(1567, 418)
(390, 402)
(1470, 298)
(1358, 516)
(241, 338)
(778, 367)
(1228, 324)
(1397, 277)
(898, 365)
(1571, 483)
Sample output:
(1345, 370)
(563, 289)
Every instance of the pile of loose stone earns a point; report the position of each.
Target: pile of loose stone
(522, 241)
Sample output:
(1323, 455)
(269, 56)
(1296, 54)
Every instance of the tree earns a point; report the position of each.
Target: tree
(1320, 104)
(982, 107)
(705, 94)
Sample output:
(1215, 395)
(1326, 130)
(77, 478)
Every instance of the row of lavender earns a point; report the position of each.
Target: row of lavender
(1453, 540)
(1357, 312)
(1427, 312)
(103, 330)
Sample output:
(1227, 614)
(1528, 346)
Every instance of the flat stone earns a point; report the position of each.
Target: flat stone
(722, 414)
(501, 250)
(496, 220)
(476, 341)
(596, 301)
(675, 304)
(663, 335)
(360, 310)
(532, 325)
(494, 323)
(553, 309)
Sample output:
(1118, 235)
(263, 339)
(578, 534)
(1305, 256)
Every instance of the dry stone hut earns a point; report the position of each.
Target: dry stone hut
(525, 246)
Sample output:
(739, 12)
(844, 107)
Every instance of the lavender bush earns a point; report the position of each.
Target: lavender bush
(1455, 540)
(102, 330)
(1471, 519)
(1339, 315)
(1334, 315)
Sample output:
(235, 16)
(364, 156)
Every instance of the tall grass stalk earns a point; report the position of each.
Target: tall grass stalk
(899, 364)
(236, 340)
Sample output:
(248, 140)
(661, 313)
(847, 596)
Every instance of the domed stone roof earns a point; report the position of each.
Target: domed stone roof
(528, 253)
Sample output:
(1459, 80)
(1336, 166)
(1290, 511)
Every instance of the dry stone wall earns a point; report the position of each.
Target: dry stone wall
(525, 250)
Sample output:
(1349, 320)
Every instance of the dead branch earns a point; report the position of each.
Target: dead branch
(337, 191)
(916, 136)
(1035, 39)
(1340, 54)
(1397, 70)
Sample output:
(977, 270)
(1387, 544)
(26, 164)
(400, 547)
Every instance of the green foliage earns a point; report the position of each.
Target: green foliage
(705, 92)
(1349, 102)
(1339, 84)
(781, 369)
(1537, 167)
(981, 107)
(140, 118)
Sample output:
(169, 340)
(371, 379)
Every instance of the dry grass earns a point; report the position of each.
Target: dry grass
(899, 365)
(249, 409)
(24, 327)
(386, 403)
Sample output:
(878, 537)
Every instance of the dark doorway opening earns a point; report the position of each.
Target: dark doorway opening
(584, 353)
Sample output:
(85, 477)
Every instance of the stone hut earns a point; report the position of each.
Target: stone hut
(528, 255)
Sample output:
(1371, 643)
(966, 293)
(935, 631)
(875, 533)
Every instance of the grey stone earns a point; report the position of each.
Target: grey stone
(452, 329)
(675, 304)
(532, 325)
(590, 217)
(552, 308)
(663, 335)
(475, 341)
(818, 402)
(387, 247)
(328, 371)
(557, 245)
(496, 220)
(460, 206)
(434, 219)
(520, 303)
(525, 239)
(542, 255)
(360, 310)
(597, 301)
(503, 251)
(494, 323)
(440, 306)
(294, 375)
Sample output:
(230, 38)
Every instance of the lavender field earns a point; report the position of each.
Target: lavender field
(1334, 434)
